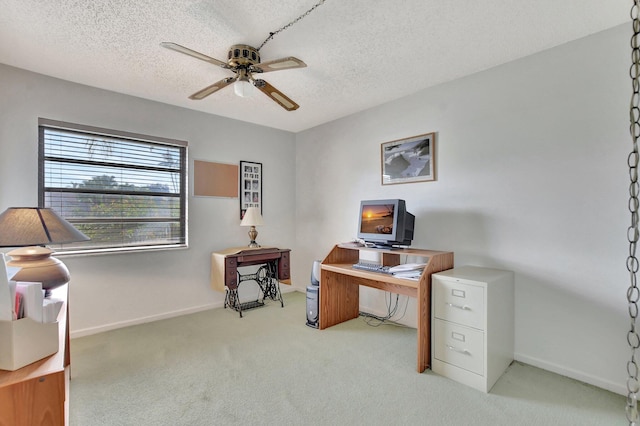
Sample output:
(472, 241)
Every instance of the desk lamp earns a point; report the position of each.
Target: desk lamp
(252, 218)
(30, 228)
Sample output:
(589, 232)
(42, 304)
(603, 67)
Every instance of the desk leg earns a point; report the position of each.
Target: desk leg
(275, 283)
(267, 279)
(424, 324)
(339, 299)
(231, 300)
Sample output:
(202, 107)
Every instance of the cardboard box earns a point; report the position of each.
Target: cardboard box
(25, 341)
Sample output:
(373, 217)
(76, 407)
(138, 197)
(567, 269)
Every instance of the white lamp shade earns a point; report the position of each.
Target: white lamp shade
(243, 88)
(252, 217)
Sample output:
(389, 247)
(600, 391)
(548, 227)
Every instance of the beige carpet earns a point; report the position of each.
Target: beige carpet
(268, 368)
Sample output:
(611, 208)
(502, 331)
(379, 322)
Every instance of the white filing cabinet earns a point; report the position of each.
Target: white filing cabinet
(472, 325)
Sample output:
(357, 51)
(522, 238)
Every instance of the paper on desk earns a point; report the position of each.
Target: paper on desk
(6, 304)
(12, 271)
(51, 309)
(407, 267)
(33, 299)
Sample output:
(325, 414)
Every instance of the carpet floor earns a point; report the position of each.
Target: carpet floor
(269, 368)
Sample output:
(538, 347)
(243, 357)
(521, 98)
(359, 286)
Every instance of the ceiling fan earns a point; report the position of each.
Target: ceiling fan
(244, 62)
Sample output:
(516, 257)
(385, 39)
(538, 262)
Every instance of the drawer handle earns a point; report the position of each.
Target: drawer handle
(460, 351)
(463, 307)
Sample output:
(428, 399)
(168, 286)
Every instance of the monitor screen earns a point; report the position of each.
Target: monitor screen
(377, 218)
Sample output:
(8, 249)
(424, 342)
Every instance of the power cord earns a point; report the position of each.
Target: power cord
(376, 320)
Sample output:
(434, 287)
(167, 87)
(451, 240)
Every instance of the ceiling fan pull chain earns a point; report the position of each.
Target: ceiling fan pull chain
(290, 23)
(633, 234)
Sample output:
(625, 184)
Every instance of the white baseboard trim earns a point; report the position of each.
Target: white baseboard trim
(618, 388)
(143, 320)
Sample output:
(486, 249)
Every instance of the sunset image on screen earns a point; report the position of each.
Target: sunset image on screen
(377, 219)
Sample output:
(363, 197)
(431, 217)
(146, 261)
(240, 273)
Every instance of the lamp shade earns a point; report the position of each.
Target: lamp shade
(26, 227)
(252, 217)
(32, 226)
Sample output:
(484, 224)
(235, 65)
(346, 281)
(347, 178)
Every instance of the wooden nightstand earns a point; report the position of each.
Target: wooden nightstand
(38, 393)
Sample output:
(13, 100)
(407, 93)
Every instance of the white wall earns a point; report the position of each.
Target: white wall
(531, 177)
(109, 291)
(531, 161)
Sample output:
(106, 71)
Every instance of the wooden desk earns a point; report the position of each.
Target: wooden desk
(225, 275)
(37, 394)
(339, 291)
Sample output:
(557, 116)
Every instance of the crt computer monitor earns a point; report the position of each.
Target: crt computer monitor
(385, 223)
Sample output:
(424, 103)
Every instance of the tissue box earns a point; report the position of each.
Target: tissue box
(25, 341)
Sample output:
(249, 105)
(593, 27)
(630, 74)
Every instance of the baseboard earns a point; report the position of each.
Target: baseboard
(581, 376)
(618, 388)
(165, 315)
(554, 368)
(143, 320)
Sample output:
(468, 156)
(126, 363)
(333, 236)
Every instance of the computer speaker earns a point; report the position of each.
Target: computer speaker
(315, 273)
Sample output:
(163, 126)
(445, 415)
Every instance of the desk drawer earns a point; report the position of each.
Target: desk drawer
(283, 267)
(231, 273)
(460, 346)
(458, 302)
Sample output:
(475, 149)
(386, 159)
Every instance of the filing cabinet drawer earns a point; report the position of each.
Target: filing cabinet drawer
(460, 346)
(472, 324)
(459, 302)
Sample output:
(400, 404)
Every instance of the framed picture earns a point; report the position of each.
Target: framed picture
(409, 160)
(250, 186)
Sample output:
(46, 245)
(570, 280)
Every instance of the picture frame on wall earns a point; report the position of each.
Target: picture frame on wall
(409, 160)
(250, 186)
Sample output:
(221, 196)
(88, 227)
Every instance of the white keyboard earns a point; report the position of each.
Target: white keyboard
(372, 267)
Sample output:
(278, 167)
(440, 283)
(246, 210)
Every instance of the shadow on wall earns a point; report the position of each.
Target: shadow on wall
(569, 332)
(460, 231)
(562, 322)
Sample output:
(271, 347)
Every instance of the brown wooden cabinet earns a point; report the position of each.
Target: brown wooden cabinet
(37, 394)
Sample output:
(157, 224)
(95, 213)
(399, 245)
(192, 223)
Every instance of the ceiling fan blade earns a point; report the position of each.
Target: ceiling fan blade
(278, 64)
(276, 95)
(201, 94)
(197, 55)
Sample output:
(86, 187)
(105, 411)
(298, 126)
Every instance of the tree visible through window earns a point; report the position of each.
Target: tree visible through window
(124, 191)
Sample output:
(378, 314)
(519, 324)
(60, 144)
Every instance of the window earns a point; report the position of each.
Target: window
(125, 191)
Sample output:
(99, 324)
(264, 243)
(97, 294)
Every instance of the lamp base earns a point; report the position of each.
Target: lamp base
(37, 265)
(253, 234)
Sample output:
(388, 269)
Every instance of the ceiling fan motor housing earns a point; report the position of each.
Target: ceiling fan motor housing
(243, 55)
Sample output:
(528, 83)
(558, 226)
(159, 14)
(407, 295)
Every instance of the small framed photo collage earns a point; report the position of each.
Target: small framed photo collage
(250, 186)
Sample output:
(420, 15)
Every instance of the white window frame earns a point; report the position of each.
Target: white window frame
(53, 194)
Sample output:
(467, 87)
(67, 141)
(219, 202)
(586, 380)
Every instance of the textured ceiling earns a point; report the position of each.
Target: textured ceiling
(359, 53)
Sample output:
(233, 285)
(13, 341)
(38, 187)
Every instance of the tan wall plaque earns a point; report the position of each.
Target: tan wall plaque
(215, 179)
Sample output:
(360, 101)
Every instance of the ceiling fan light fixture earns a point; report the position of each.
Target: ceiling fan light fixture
(244, 60)
(243, 88)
